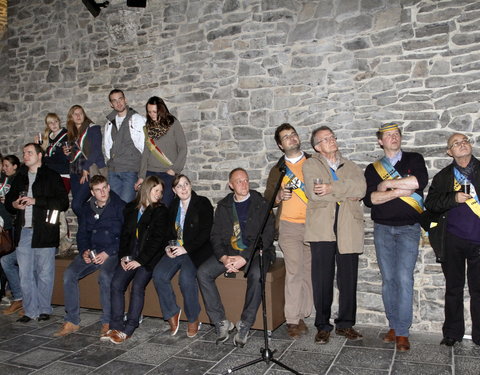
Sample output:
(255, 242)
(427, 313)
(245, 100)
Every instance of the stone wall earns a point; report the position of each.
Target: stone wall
(233, 70)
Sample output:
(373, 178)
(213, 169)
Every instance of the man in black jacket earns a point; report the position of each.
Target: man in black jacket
(237, 220)
(454, 192)
(37, 197)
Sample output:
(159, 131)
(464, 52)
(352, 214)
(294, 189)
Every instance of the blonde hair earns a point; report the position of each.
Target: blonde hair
(143, 195)
(47, 131)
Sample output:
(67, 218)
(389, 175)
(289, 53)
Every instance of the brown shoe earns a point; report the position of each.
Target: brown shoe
(293, 330)
(104, 329)
(192, 328)
(390, 336)
(118, 337)
(403, 345)
(67, 328)
(322, 337)
(174, 322)
(349, 333)
(106, 336)
(14, 307)
(302, 327)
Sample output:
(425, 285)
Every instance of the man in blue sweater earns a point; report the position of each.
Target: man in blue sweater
(395, 186)
(98, 239)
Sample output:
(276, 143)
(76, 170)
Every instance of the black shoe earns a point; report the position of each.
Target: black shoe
(448, 341)
(24, 319)
(322, 337)
(42, 317)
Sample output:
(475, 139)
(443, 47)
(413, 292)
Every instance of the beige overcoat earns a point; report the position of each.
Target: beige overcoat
(321, 209)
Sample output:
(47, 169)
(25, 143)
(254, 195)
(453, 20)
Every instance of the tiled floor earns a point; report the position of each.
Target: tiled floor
(30, 348)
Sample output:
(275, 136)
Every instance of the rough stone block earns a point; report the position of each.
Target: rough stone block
(433, 29)
(261, 99)
(398, 33)
(303, 31)
(440, 68)
(346, 7)
(395, 67)
(276, 4)
(356, 44)
(53, 74)
(438, 16)
(465, 39)
(228, 31)
(306, 61)
(354, 25)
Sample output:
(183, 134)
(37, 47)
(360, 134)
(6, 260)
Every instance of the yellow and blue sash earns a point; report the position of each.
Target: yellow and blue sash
(178, 226)
(299, 185)
(387, 172)
(236, 239)
(473, 202)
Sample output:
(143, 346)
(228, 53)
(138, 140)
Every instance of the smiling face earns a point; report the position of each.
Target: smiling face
(8, 168)
(156, 193)
(183, 189)
(325, 142)
(152, 111)
(289, 141)
(101, 192)
(118, 102)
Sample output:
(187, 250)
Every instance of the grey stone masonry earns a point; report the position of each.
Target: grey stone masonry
(233, 70)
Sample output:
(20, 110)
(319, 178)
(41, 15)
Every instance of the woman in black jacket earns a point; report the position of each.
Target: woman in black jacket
(190, 223)
(142, 243)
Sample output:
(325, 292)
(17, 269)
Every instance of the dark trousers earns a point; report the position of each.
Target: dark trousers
(459, 251)
(324, 257)
(120, 281)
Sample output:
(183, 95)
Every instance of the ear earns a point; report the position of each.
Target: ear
(449, 152)
(380, 142)
(230, 185)
(280, 146)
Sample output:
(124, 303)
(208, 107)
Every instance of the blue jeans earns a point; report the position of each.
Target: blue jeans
(168, 191)
(122, 183)
(80, 193)
(120, 281)
(77, 270)
(10, 267)
(37, 273)
(397, 251)
(163, 273)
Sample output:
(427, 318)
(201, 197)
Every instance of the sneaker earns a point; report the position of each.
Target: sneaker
(118, 337)
(67, 328)
(223, 329)
(241, 337)
(106, 336)
(192, 328)
(14, 307)
(104, 329)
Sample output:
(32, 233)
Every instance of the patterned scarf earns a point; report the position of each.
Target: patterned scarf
(157, 129)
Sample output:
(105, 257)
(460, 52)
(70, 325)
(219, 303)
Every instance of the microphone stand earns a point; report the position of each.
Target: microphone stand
(266, 352)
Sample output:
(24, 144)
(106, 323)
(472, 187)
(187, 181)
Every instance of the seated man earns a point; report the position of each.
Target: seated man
(98, 239)
(238, 218)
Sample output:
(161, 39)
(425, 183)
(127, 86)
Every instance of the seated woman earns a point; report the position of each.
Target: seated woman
(142, 243)
(84, 149)
(165, 150)
(190, 223)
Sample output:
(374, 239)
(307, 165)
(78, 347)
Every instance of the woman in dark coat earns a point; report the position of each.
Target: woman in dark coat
(142, 243)
(190, 223)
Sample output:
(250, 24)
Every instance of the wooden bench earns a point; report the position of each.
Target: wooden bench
(232, 292)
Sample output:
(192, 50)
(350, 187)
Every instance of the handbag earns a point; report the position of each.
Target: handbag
(6, 245)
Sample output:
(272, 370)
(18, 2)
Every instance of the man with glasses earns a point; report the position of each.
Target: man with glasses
(334, 228)
(292, 206)
(395, 186)
(453, 194)
(123, 144)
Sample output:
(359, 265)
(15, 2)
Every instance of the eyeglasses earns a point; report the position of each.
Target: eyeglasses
(457, 144)
(287, 136)
(329, 139)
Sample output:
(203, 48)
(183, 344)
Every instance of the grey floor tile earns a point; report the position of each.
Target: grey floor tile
(305, 362)
(9, 331)
(176, 366)
(467, 348)
(365, 358)
(426, 353)
(372, 338)
(425, 338)
(180, 339)
(94, 356)
(6, 355)
(149, 353)
(72, 342)
(23, 343)
(467, 366)
(342, 370)
(205, 350)
(121, 367)
(47, 330)
(404, 368)
(14, 370)
(233, 360)
(37, 358)
(62, 368)
(254, 344)
(307, 343)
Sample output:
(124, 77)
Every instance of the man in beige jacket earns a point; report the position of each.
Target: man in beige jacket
(335, 229)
